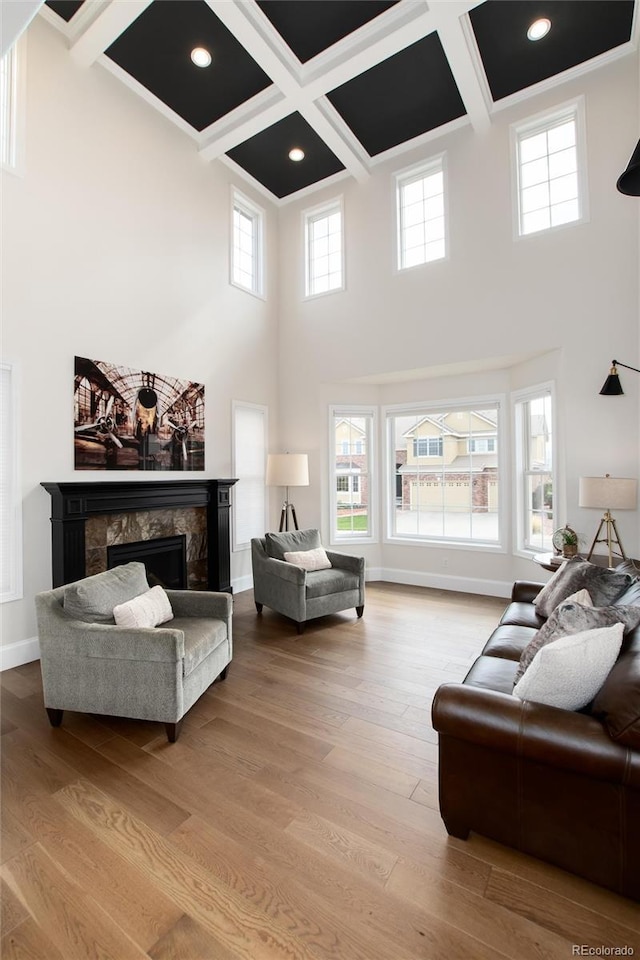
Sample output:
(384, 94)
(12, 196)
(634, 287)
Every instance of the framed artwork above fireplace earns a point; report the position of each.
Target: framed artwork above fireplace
(128, 419)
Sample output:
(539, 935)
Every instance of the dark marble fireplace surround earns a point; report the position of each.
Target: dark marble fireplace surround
(88, 517)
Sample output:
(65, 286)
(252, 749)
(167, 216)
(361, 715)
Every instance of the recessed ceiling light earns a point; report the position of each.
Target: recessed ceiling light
(539, 29)
(296, 154)
(201, 57)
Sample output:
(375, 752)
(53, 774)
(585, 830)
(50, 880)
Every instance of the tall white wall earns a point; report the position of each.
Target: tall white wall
(569, 295)
(116, 247)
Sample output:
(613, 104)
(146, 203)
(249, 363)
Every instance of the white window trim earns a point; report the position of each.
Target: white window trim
(258, 214)
(15, 589)
(353, 410)
(499, 401)
(313, 213)
(18, 108)
(541, 121)
(237, 545)
(518, 492)
(432, 165)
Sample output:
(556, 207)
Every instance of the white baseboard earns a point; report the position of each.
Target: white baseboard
(15, 654)
(240, 584)
(491, 588)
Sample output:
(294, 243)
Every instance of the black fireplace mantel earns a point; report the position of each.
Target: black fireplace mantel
(73, 503)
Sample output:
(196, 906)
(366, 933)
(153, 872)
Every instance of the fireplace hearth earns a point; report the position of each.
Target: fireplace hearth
(88, 518)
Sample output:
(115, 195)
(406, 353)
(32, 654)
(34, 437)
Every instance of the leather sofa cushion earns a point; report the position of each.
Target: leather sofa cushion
(320, 583)
(508, 641)
(492, 673)
(523, 615)
(631, 596)
(618, 702)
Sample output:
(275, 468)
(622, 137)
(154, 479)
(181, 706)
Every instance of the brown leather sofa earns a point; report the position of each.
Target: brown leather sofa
(560, 785)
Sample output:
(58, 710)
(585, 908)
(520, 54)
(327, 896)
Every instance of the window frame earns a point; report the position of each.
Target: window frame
(237, 405)
(429, 408)
(539, 123)
(338, 412)
(257, 215)
(435, 164)
(14, 163)
(521, 473)
(309, 216)
(11, 436)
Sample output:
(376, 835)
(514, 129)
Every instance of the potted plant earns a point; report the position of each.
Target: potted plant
(569, 540)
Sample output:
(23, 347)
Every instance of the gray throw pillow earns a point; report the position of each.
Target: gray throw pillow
(603, 584)
(293, 541)
(93, 599)
(570, 618)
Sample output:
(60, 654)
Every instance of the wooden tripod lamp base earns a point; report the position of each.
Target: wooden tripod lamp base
(606, 492)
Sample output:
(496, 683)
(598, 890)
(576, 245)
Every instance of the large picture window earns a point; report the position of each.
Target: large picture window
(444, 479)
(351, 433)
(533, 411)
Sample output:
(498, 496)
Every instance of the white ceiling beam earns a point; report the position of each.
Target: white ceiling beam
(105, 29)
(345, 154)
(16, 17)
(463, 67)
(233, 129)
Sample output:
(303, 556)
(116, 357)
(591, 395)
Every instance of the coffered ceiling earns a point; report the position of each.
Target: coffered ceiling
(349, 82)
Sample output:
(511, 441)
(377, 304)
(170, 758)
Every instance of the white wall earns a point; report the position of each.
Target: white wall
(570, 295)
(115, 247)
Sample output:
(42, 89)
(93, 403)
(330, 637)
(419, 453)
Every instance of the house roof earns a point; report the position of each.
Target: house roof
(439, 422)
(350, 82)
(466, 463)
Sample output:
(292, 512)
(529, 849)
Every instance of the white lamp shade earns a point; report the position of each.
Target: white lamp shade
(287, 470)
(608, 493)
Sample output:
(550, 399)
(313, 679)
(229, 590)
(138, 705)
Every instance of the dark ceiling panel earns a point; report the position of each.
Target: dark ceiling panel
(407, 95)
(266, 156)
(64, 8)
(156, 50)
(310, 26)
(580, 30)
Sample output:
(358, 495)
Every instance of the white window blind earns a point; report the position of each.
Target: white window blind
(10, 502)
(250, 457)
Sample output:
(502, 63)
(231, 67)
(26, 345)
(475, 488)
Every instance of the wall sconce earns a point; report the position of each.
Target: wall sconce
(287, 470)
(607, 492)
(629, 181)
(612, 386)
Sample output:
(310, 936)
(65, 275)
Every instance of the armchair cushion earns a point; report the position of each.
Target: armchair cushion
(150, 609)
(201, 637)
(92, 600)
(320, 583)
(276, 544)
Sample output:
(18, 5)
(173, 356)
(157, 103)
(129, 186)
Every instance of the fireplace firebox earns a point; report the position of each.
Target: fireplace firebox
(165, 559)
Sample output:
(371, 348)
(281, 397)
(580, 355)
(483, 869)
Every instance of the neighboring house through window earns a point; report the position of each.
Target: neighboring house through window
(324, 249)
(444, 477)
(534, 443)
(247, 248)
(550, 169)
(421, 223)
(351, 444)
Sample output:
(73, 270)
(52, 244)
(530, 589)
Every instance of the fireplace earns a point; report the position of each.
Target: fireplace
(164, 557)
(88, 518)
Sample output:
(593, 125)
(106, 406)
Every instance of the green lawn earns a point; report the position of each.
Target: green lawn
(360, 522)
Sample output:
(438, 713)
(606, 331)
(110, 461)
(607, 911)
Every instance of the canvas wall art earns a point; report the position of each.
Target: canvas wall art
(135, 420)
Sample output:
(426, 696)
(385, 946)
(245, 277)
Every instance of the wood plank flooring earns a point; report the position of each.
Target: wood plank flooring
(295, 819)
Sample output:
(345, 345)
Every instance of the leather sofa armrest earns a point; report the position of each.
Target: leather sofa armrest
(525, 591)
(534, 732)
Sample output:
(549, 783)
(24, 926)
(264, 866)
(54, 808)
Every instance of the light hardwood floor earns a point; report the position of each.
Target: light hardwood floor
(295, 819)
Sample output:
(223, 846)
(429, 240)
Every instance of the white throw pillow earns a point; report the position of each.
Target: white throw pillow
(316, 559)
(569, 671)
(150, 609)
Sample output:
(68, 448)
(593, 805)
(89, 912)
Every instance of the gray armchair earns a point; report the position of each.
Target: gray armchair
(304, 594)
(149, 673)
